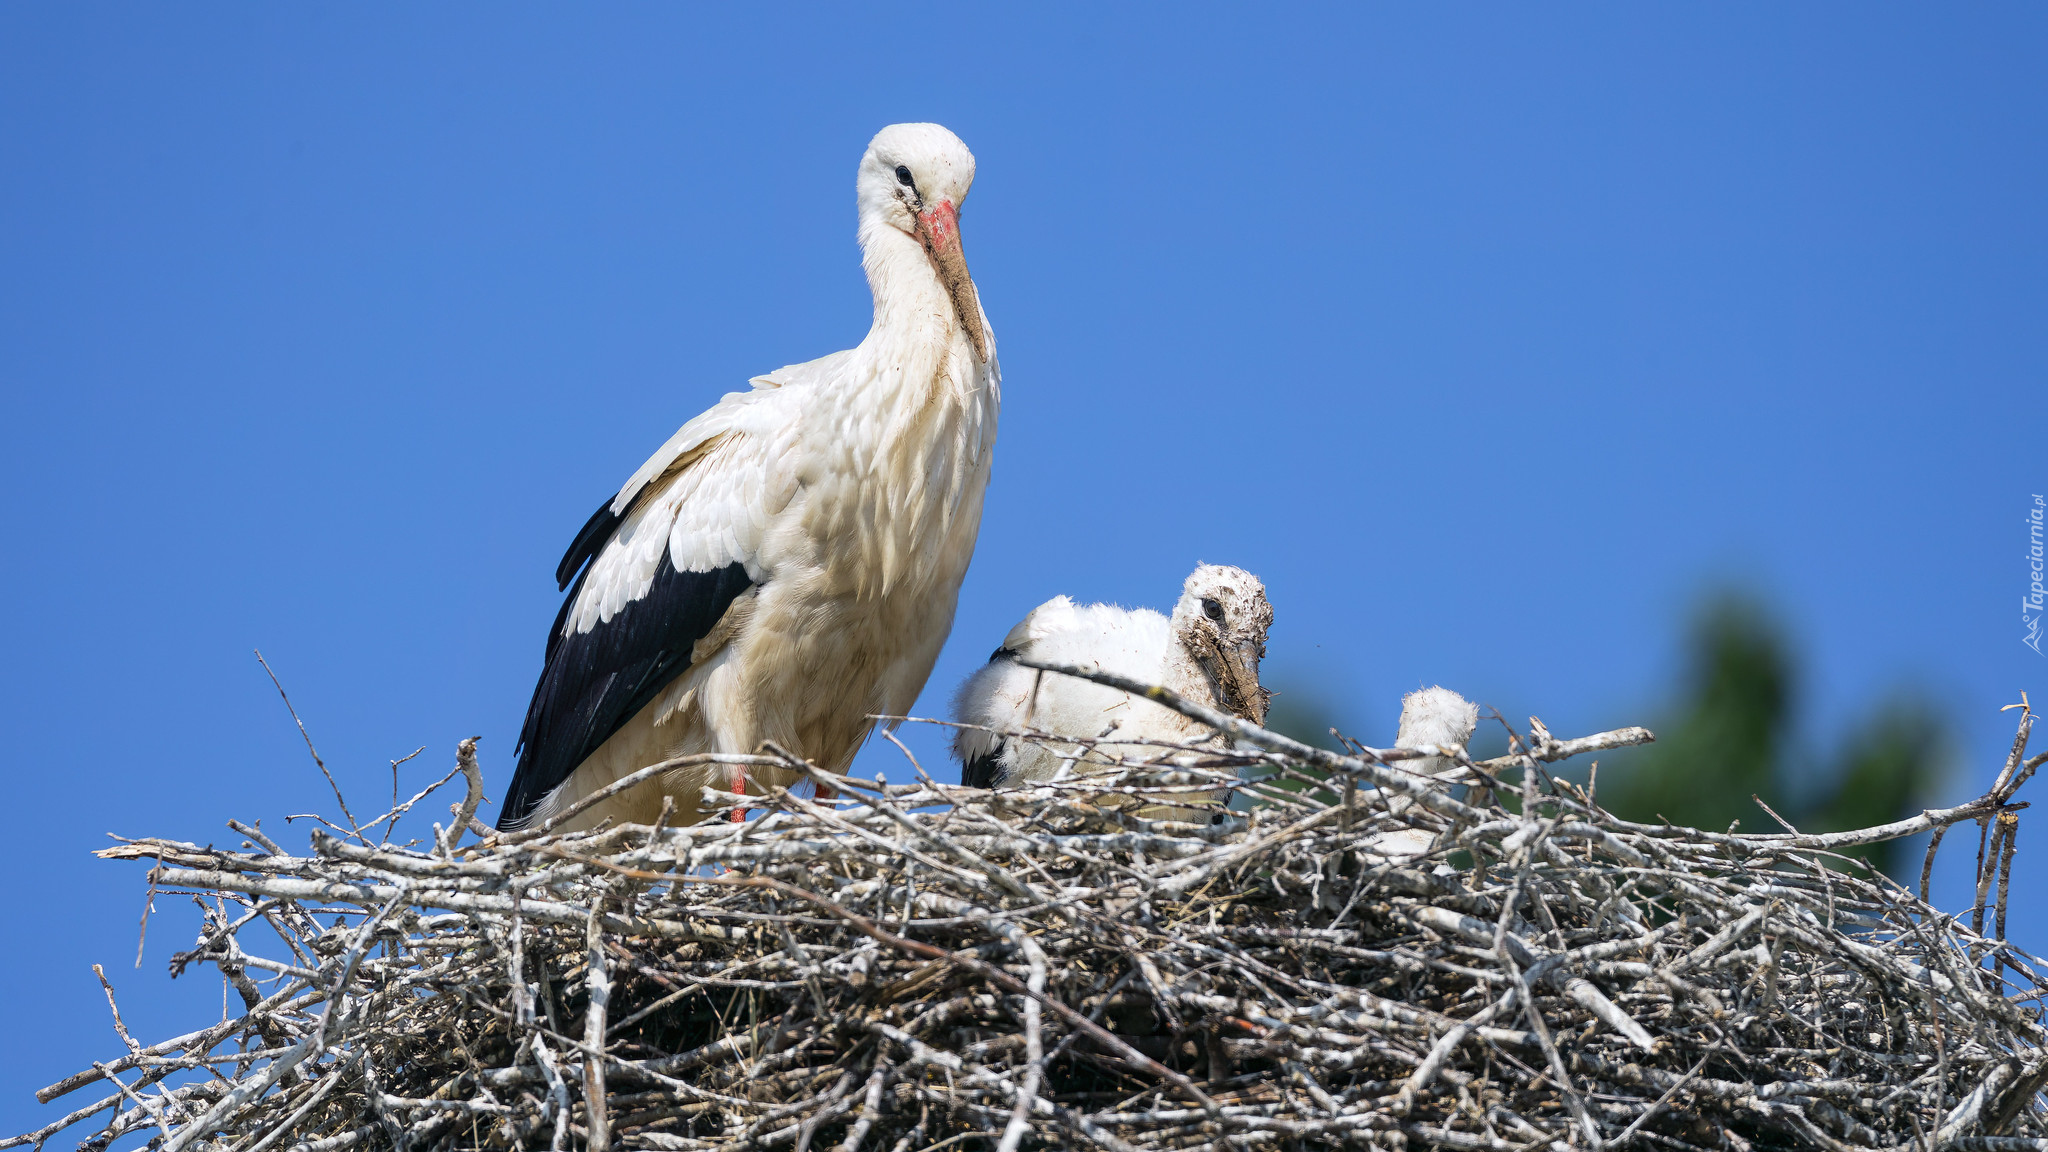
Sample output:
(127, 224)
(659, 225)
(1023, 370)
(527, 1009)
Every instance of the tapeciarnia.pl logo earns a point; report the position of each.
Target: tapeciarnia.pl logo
(2031, 604)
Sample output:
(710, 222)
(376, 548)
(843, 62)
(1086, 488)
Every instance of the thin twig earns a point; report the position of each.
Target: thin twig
(920, 965)
(315, 752)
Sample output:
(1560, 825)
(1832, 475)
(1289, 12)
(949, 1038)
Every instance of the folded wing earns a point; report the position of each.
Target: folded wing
(653, 571)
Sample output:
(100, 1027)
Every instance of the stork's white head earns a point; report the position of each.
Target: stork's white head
(1435, 716)
(1222, 619)
(913, 179)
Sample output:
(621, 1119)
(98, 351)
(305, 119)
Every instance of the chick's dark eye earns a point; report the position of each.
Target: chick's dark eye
(1212, 609)
(903, 177)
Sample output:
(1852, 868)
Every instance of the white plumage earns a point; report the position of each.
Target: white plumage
(788, 563)
(1434, 717)
(1209, 652)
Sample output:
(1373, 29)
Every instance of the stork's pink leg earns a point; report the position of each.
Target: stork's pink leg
(739, 785)
(827, 793)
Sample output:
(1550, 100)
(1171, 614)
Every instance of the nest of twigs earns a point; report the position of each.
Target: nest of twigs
(918, 966)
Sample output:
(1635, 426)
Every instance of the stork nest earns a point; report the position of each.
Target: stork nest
(917, 966)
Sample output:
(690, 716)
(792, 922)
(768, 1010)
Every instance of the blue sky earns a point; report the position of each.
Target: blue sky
(1491, 337)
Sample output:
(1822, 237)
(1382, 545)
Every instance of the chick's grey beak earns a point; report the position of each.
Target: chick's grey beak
(1238, 675)
(939, 228)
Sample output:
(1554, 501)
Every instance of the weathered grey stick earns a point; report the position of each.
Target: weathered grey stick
(923, 964)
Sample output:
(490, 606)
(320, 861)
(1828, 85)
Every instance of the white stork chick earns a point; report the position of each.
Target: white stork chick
(1435, 717)
(1208, 652)
(1430, 718)
(788, 563)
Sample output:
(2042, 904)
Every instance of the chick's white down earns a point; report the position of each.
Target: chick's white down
(1208, 651)
(1430, 718)
(1435, 716)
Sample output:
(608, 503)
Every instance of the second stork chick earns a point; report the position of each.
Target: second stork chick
(1435, 716)
(1430, 717)
(1207, 652)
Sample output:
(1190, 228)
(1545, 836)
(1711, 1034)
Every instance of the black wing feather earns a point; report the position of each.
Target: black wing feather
(588, 543)
(985, 770)
(595, 681)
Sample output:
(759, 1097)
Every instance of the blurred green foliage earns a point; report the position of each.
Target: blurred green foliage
(1731, 735)
(1297, 711)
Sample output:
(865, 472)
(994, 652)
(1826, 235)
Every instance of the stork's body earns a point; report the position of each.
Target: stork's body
(1208, 652)
(788, 563)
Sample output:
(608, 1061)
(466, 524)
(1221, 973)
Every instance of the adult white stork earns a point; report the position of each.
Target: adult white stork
(787, 564)
(1208, 652)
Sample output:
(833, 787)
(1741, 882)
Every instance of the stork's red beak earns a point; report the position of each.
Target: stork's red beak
(939, 228)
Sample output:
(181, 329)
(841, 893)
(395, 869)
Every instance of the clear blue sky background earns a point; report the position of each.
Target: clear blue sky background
(1490, 337)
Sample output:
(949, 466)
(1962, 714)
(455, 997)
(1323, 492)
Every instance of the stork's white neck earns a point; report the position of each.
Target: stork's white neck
(1185, 675)
(914, 315)
(913, 414)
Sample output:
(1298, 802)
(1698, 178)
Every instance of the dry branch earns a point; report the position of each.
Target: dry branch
(913, 966)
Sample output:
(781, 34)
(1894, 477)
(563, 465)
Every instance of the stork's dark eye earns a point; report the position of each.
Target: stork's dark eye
(903, 177)
(1212, 610)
